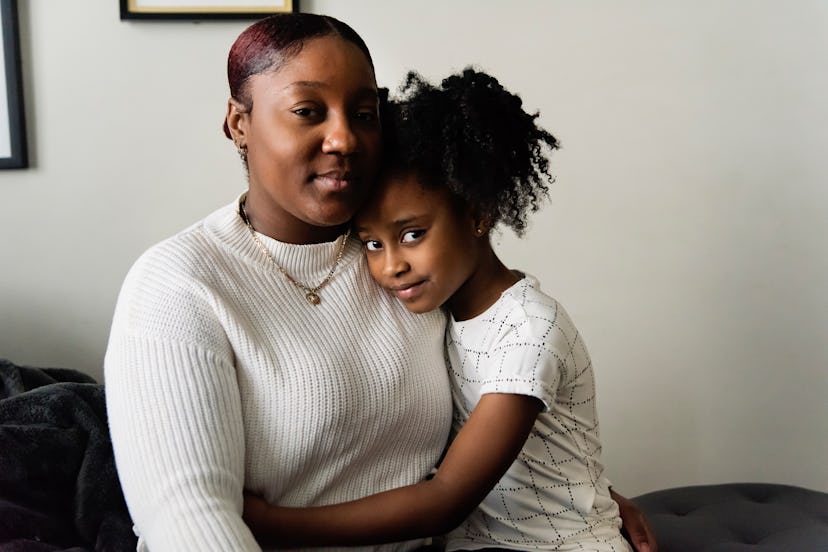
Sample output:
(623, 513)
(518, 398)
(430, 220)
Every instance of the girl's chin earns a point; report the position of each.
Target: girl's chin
(419, 307)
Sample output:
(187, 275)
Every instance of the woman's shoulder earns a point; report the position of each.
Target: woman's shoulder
(179, 270)
(193, 250)
(171, 289)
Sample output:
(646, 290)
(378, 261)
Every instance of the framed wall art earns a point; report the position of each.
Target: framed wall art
(205, 9)
(13, 152)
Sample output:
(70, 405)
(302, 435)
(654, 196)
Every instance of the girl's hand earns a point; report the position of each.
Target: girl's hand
(255, 513)
(635, 524)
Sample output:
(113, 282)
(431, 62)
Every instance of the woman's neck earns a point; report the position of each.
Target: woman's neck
(284, 227)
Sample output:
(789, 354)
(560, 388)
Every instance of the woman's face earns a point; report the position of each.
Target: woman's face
(313, 141)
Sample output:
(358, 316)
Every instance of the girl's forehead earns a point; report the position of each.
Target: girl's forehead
(399, 197)
(392, 186)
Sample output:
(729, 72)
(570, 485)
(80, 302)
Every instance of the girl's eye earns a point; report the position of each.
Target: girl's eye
(412, 236)
(372, 245)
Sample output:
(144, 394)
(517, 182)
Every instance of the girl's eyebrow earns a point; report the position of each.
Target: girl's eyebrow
(407, 220)
(396, 222)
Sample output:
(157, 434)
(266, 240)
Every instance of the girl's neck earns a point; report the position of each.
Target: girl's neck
(482, 290)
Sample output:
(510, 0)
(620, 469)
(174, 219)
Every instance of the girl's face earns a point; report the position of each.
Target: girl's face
(313, 140)
(419, 246)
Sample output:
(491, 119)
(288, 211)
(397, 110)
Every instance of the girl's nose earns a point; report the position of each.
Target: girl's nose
(395, 265)
(340, 136)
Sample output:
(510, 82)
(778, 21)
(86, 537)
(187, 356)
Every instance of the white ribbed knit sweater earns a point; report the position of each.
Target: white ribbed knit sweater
(220, 375)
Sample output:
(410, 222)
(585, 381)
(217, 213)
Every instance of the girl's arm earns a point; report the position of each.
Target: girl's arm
(476, 460)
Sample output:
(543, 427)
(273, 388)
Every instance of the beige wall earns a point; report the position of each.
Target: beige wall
(686, 233)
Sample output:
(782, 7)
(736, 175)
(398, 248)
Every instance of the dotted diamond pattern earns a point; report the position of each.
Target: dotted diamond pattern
(555, 496)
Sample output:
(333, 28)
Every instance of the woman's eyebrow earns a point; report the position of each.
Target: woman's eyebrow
(362, 91)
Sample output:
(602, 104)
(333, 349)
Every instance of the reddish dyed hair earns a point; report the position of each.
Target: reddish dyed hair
(271, 42)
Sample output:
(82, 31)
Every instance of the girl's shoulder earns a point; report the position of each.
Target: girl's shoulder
(530, 313)
(526, 299)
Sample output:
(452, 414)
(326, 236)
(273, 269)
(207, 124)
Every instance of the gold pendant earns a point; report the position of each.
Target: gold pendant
(313, 298)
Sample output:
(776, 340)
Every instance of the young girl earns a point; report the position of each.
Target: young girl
(523, 471)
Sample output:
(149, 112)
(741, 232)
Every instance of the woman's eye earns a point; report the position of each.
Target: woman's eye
(412, 235)
(372, 245)
(367, 116)
(305, 111)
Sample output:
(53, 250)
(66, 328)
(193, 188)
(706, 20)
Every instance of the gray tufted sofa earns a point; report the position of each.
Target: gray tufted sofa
(743, 517)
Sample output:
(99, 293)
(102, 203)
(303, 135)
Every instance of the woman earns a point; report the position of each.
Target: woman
(253, 349)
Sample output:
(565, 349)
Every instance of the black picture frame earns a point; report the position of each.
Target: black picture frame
(227, 9)
(13, 150)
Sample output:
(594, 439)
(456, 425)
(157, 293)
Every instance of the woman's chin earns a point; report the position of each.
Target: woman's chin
(334, 214)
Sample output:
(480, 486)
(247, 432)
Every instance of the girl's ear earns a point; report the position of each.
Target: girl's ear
(481, 225)
(236, 122)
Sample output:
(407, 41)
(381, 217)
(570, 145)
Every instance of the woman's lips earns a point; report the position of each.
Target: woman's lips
(334, 181)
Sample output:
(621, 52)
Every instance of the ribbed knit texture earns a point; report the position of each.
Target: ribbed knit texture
(220, 375)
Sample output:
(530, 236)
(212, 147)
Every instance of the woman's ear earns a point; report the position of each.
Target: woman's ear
(236, 122)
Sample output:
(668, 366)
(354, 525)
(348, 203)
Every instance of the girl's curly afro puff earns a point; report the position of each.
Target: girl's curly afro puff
(473, 136)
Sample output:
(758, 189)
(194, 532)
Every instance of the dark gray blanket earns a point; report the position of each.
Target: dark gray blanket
(58, 486)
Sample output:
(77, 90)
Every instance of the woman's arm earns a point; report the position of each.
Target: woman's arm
(476, 460)
(635, 524)
(175, 414)
(175, 421)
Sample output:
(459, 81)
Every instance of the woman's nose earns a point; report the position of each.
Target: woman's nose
(340, 136)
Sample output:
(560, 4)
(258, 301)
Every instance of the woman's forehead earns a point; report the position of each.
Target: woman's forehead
(324, 60)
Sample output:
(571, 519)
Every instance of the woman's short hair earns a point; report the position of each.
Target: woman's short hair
(271, 42)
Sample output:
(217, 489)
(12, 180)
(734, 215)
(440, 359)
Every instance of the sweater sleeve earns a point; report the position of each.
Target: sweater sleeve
(176, 421)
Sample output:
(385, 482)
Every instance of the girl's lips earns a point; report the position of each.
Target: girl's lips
(409, 291)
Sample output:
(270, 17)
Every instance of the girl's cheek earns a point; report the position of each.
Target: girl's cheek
(374, 268)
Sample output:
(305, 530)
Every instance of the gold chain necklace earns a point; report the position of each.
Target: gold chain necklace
(311, 294)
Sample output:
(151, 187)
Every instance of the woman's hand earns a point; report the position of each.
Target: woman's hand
(635, 524)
